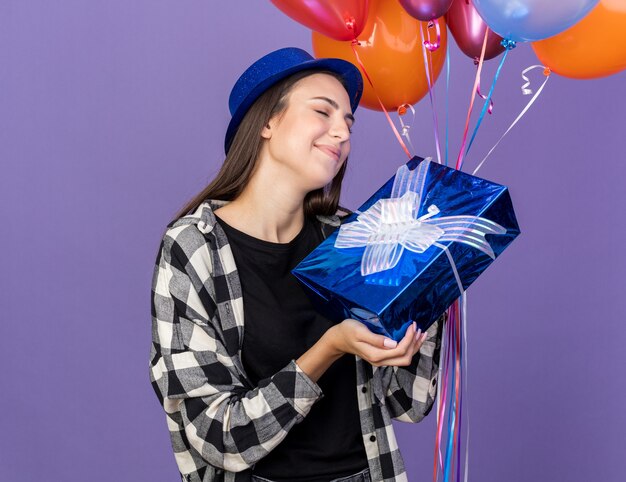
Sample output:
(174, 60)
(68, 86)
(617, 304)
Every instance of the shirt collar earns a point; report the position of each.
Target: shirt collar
(205, 219)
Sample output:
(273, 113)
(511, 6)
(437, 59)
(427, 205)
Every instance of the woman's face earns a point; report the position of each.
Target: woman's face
(311, 140)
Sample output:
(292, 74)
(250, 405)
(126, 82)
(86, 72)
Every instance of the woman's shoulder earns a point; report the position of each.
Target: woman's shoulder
(188, 233)
(202, 217)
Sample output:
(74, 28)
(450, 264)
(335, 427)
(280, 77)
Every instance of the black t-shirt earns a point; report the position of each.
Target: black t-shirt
(281, 324)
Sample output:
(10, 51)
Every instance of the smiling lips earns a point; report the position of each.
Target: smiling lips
(330, 150)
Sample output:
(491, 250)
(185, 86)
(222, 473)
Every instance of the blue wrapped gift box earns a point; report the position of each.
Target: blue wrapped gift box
(407, 252)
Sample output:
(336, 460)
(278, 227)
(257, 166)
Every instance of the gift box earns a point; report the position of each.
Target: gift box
(411, 249)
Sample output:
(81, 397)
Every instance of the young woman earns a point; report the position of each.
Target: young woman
(255, 383)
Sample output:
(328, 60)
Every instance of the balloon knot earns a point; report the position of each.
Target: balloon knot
(547, 71)
(508, 43)
(401, 110)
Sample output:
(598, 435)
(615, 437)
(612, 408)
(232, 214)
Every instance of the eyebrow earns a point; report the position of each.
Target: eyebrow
(336, 106)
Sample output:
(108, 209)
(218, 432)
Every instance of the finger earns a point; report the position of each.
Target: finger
(363, 335)
(403, 360)
(405, 344)
(415, 344)
(416, 341)
(386, 343)
(419, 335)
(404, 347)
(419, 340)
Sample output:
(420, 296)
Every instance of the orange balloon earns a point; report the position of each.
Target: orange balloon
(391, 51)
(594, 47)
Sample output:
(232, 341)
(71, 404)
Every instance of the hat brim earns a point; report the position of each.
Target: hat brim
(350, 74)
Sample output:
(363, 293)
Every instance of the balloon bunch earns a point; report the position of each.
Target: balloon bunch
(574, 38)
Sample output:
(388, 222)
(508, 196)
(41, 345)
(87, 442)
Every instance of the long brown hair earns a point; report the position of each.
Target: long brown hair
(246, 145)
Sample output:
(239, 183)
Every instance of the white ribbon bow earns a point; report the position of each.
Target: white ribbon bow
(391, 225)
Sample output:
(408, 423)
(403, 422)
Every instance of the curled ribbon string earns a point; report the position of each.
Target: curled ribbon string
(445, 357)
(456, 429)
(509, 45)
(459, 160)
(432, 46)
(444, 353)
(455, 417)
(525, 91)
(464, 349)
(448, 451)
(459, 392)
(484, 97)
(354, 43)
(440, 377)
(431, 77)
(459, 395)
(406, 127)
(431, 94)
(451, 394)
(442, 387)
(453, 403)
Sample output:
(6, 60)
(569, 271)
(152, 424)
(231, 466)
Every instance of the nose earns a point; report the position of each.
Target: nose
(340, 129)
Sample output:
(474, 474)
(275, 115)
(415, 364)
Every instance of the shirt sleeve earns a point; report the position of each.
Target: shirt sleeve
(410, 391)
(229, 424)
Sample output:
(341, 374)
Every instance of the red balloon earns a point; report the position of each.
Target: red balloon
(337, 19)
(426, 9)
(468, 29)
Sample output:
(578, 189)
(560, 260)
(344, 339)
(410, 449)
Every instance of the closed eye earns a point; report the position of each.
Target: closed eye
(326, 115)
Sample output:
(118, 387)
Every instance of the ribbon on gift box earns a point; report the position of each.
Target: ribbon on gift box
(392, 225)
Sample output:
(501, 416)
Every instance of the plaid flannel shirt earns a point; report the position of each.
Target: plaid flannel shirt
(220, 425)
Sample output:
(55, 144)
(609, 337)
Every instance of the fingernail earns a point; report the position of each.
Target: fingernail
(417, 333)
(390, 343)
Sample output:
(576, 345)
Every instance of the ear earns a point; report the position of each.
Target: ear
(266, 133)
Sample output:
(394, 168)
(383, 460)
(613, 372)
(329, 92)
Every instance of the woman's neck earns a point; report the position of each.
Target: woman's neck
(269, 208)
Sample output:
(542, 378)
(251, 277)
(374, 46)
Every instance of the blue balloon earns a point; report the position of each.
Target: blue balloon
(531, 20)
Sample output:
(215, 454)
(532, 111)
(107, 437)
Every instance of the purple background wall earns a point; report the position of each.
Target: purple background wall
(112, 115)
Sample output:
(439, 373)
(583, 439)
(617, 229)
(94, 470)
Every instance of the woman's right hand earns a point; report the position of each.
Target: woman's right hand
(352, 336)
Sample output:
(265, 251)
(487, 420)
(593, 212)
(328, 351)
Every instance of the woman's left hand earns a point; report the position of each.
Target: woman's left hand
(403, 353)
(352, 336)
